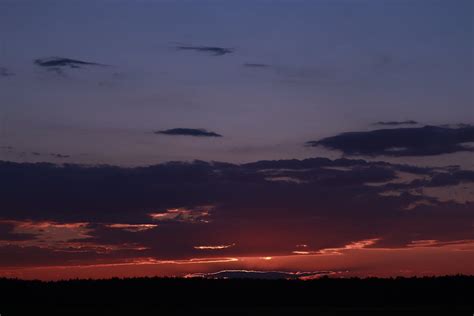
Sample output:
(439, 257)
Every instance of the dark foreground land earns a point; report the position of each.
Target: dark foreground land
(451, 295)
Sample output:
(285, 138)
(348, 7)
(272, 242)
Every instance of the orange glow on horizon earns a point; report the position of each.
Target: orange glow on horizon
(355, 260)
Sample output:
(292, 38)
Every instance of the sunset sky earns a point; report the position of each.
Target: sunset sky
(188, 138)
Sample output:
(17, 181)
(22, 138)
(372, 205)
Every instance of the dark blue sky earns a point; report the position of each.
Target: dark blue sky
(325, 67)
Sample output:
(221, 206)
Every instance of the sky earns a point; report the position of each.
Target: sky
(191, 137)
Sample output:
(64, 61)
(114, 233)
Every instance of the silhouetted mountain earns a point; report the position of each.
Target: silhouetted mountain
(259, 275)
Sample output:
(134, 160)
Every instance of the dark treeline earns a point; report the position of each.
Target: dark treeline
(451, 294)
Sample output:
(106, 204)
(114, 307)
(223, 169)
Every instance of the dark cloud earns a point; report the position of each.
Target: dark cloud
(199, 132)
(164, 211)
(58, 62)
(214, 50)
(395, 123)
(419, 141)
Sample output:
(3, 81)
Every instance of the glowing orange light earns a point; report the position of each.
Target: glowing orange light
(216, 247)
(301, 252)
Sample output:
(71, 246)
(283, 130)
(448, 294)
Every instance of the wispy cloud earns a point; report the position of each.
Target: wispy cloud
(5, 72)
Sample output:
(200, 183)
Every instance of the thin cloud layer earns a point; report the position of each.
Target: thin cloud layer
(5, 72)
(395, 123)
(36, 154)
(198, 132)
(418, 141)
(256, 65)
(61, 156)
(213, 50)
